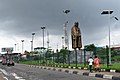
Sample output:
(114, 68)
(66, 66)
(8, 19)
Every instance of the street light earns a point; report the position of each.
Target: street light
(66, 11)
(62, 42)
(65, 29)
(32, 41)
(43, 34)
(15, 46)
(22, 45)
(43, 40)
(109, 12)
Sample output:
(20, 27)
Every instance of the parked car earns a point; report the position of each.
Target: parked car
(0, 60)
(3, 61)
(10, 63)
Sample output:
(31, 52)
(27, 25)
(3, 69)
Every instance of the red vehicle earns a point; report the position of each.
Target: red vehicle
(4, 61)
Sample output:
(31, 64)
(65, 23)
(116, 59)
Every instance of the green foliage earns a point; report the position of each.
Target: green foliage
(36, 57)
(114, 53)
(101, 53)
(62, 55)
(90, 47)
(116, 58)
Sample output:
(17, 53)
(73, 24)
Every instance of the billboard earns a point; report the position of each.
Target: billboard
(7, 49)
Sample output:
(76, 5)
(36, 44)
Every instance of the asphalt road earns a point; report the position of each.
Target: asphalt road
(22, 72)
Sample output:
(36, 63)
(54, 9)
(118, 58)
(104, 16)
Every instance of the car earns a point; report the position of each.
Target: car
(3, 61)
(0, 60)
(10, 63)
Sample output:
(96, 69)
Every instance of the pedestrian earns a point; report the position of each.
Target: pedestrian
(90, 61)
(97, 63)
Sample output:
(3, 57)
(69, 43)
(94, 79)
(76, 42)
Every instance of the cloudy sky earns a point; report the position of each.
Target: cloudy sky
(20, 18)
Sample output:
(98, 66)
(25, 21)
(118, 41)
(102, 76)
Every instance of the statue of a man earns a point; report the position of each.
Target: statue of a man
(76, 36)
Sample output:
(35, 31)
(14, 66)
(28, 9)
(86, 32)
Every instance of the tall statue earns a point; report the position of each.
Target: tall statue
(76, 36)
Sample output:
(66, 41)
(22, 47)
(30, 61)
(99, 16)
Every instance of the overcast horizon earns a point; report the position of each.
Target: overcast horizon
(20, 18)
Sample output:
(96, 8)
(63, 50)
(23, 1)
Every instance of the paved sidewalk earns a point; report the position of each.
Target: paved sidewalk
(105, 75)
(108, 75)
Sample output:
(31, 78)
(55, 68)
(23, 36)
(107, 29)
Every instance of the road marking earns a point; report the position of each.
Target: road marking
(5, 78)
(17, 77)
(4, 72)
(1, 73)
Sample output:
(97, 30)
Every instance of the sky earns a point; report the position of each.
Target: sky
(20, 18)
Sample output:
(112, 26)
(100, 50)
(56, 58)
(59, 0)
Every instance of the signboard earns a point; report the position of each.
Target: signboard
(9, 49)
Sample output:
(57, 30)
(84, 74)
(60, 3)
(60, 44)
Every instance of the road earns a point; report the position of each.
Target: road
(23, 72)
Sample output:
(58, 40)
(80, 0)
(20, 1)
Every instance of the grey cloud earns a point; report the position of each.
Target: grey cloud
(30, 15)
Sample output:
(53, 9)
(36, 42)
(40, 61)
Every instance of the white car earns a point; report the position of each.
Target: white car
(0, 60)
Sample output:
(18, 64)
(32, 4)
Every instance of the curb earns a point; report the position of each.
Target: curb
(112, 77)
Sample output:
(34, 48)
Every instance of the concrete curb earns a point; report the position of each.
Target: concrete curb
(103, 70)
(112, 77)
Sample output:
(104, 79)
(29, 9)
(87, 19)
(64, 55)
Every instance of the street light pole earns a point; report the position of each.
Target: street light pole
(62, 43)
(43, 34)
(15, 47)
(32, 41)
(22, 45)
(65, 29)
(43, 41)
(109, 12)
(48, 40)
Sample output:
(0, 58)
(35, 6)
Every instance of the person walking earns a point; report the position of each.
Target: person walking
(97, 63)
(90, 61)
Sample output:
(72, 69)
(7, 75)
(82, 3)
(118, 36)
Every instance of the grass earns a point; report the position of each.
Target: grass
(114, 66)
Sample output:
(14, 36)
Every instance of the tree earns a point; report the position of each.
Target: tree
(90, 47)
(101, 53)
(62, 55)
(27, 54)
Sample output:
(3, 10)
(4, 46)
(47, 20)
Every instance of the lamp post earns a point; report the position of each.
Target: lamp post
(22, 45)
(43, 41)
(43, 34)
(48, 40)
(32, 41)
(15, 47)
(109, 12)
(65, 29)
(62, 42)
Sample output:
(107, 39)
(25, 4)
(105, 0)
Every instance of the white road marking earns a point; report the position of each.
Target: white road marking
(5, 78)
(13, 74)
(4, 72)
(17, 77)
